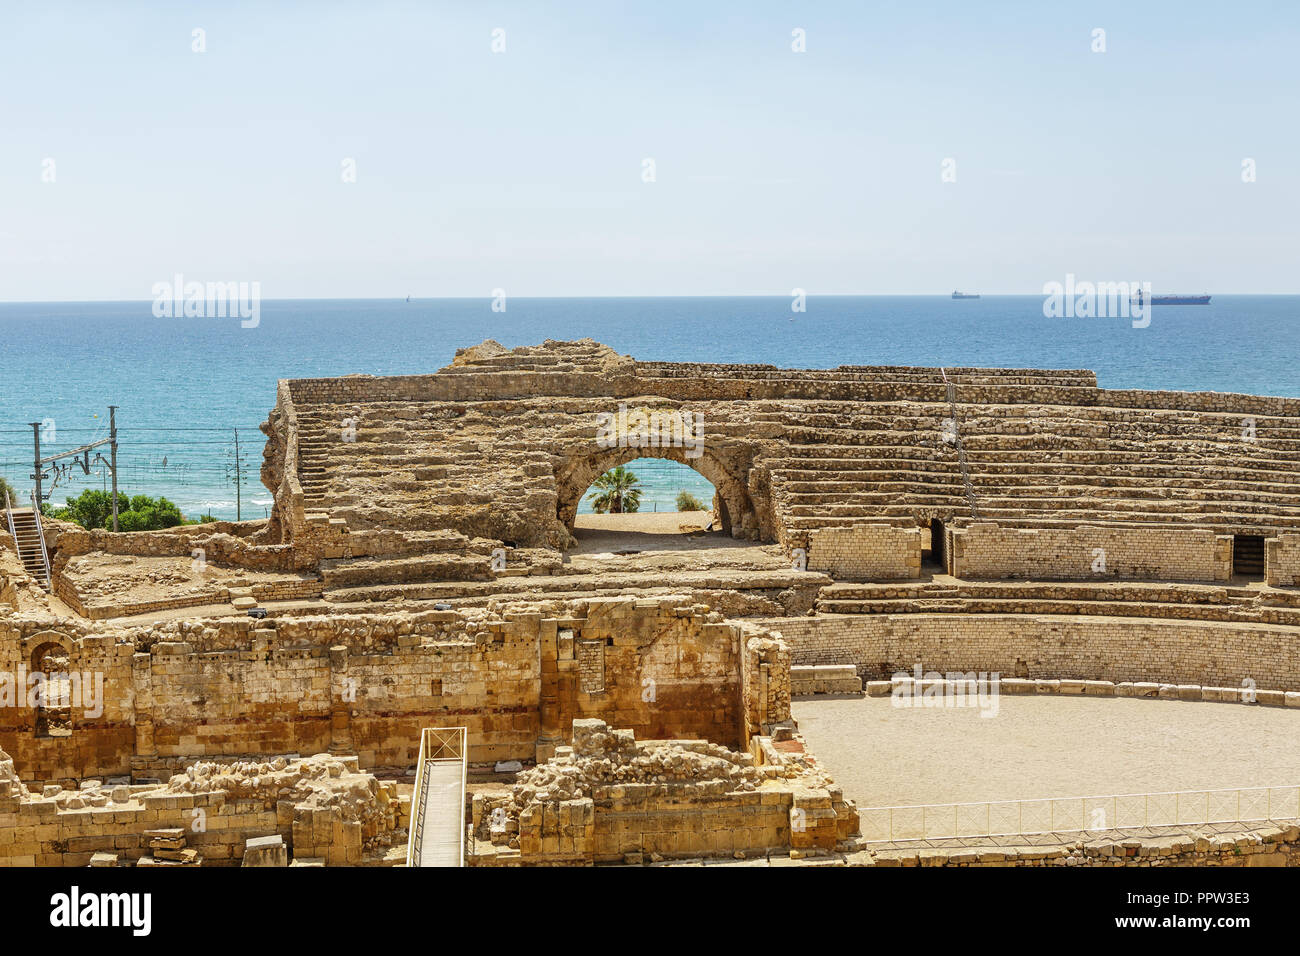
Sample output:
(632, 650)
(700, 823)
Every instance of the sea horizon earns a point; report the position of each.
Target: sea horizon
(672, 295)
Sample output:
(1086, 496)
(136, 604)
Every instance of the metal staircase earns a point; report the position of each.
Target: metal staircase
(961, 451)
(29, 541)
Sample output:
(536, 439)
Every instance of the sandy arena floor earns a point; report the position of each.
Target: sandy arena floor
(660, 545)
(1047, 747)
(649, 531)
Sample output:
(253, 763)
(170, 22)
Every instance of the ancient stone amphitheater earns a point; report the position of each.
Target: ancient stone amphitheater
(878, 533)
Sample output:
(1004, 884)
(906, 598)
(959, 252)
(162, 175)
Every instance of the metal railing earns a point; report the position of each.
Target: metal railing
(9, 516)
(40, 540)
(40, 537)
(444, 745)
(1128, 811)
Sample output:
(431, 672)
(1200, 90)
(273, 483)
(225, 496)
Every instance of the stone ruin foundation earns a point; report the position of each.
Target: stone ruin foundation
(609, 798)
(418, 570)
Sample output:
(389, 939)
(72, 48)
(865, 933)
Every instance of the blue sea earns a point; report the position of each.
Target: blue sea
(183, 386)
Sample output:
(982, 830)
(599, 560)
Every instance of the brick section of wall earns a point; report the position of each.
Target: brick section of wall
(1282, 561)
(866, 552)
(1084, 648)
(811, 679)
(984, 549)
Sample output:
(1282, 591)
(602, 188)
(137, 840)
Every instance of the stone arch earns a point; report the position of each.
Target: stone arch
(728, 473)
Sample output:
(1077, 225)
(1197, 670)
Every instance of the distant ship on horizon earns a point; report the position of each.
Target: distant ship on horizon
(965, 295)
(1174, 299)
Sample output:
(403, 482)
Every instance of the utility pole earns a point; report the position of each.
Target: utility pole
(81, 455)
(36, 437)
(238, 509)
(235, 472)
(112, 437)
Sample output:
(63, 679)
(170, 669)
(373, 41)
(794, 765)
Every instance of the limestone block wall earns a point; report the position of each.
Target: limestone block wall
(515, 675)
(62, 829)
(608, 798)
(660, 667)
(765, 671)
(1282, 561)
(364, 686)
(1211, 653)
(217, 543)
(983, 549)
(98, 744)
(866, 552)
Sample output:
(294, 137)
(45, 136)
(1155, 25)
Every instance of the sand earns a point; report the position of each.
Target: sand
(1048, 746)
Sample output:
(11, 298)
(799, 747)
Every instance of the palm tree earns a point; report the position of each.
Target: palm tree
(618, 492)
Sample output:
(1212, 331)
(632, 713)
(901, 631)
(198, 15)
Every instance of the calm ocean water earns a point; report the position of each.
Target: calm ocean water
(184, 385)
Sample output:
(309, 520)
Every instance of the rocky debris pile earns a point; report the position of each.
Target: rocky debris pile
(319, 781)
(558, 802)
(91, 793)
(602, 758)
(167, 848)
(10, 785)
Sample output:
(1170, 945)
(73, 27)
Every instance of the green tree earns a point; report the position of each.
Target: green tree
(94, 509)
(618, 492)
(688, 502)
(5, 486)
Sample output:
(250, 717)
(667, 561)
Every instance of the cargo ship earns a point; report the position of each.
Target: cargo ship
(965, 295)
(1176, 299)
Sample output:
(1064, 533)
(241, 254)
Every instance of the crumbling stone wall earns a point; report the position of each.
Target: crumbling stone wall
(983, 549)
(654, 666)
(322, 806)
(611, 798)
(766, 676)
(96, 745)
(515, 674)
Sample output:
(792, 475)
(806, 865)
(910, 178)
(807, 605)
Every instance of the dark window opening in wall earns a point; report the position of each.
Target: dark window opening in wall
(54, 696)
(1248, 555)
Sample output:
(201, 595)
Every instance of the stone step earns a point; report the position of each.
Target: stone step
(414, 570)
(1175, 610)
(567, 584)
(1160, 592)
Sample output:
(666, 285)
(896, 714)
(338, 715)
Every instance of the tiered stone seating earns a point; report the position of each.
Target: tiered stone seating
(1032, 464)
(419, 466)
(734, 591)
(498, 447)
(1110, 599)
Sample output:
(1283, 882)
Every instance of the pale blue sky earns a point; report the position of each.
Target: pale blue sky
(522, 170)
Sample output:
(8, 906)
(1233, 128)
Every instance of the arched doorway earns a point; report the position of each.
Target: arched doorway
(662, 486)
(736, 513)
